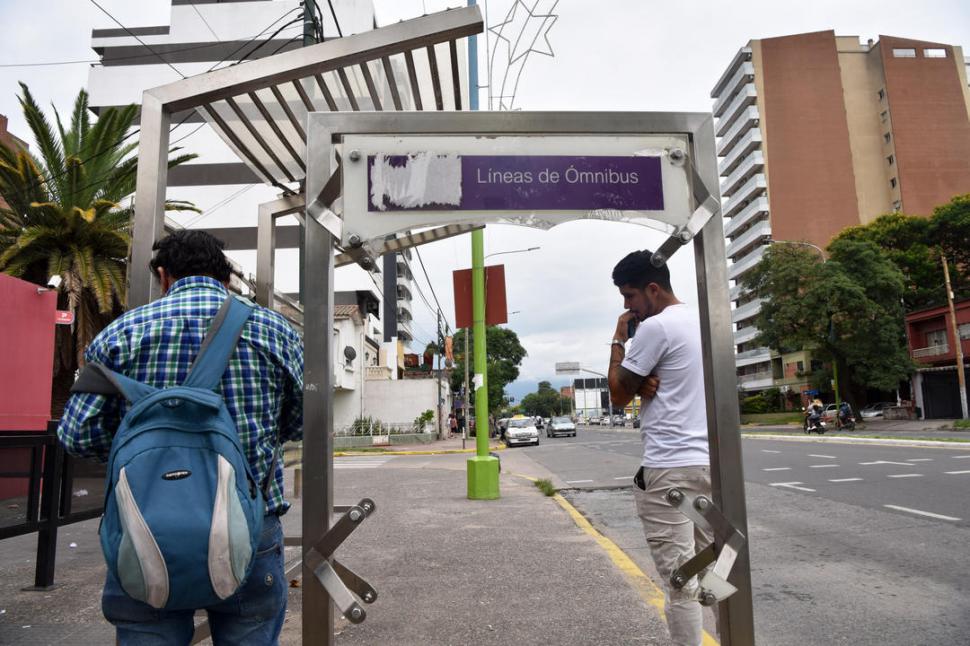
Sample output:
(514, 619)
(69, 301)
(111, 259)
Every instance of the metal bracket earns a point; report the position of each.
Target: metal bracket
(340, 582)
(708, 207)
(319, 208)
(714, 586)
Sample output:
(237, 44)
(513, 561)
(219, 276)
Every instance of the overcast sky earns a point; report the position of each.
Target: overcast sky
(609, 55)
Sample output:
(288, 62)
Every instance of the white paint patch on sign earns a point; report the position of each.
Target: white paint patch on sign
(414, 181)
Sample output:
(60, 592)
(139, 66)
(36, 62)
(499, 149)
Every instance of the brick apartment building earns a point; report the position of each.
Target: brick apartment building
(818, 132)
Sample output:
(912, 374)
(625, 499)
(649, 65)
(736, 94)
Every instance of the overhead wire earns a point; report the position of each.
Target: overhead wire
(417, 252)
(335, 21)
(253, 39)
(199, 13)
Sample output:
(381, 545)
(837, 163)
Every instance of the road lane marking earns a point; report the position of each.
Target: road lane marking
(816, 455)
(953, 473)
(577, 481)
(928, 514)
(778, 469)
(959, 457)
(919, 459)
(906, 475)
(624, 478)
(845, 479)
(904, 464)
(822, 466)
(770, 451)
(644, 586)
(790, 485)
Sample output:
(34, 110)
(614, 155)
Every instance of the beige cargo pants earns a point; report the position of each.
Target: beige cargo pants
(673, 539)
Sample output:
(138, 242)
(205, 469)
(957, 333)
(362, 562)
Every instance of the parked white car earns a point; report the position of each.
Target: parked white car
(876, 410)
(521, 431)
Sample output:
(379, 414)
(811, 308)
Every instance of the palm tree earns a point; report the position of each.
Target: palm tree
(64, 216)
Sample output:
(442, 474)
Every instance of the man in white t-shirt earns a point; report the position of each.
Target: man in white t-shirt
(664, 364)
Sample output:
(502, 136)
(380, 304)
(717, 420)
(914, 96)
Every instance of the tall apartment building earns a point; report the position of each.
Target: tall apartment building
(10, 141)
(818, 132)
(206, 34)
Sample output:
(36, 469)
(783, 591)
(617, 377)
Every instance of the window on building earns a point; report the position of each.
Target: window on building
(904, 52)
(891, 159)
(884, 116)
(887, 137)
(800, 366)
(882, 94)
(935, 338)
(897, 206)
(893, 182)
(964, 331)
(934, 53)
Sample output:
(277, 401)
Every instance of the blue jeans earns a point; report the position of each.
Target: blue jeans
(253, 616)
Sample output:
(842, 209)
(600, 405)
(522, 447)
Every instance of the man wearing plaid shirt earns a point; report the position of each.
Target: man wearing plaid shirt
(263, 390)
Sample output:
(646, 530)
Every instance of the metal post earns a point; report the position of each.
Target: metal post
(318, 620)
(464, 426)
(735, 617)
(150, 186)
(49, 517)
(266, 255)
(439, 344)
(958, 348)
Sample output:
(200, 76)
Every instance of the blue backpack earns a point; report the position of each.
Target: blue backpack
(183, 512)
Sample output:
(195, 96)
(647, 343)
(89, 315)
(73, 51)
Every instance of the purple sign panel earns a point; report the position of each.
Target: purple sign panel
(433, 181)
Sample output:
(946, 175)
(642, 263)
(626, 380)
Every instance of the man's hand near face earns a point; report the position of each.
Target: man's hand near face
(648, 389)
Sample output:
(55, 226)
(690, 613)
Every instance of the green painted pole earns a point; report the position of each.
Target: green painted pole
(483, 468)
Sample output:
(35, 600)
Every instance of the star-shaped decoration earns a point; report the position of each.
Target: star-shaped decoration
(542, 22)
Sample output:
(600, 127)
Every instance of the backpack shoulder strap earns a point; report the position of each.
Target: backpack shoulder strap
(99, 380)
(219, 344)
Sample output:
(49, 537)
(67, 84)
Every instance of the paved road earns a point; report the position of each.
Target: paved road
(869, 551)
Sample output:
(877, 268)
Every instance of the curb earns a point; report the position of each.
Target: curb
(343, 454)
(648, 591)
(859, 440)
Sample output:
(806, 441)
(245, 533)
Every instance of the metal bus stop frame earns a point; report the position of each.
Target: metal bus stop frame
(323, 233)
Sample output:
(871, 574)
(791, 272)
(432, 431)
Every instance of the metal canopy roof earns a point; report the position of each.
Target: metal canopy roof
(259, 108)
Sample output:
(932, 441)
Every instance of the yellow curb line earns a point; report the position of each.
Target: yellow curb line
(643, 584)
(341, 454)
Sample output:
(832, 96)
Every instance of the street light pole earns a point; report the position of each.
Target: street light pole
(499, 253)
(835, 361)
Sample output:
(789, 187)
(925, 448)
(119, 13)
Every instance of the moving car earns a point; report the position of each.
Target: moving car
(521, 431)
(560, 425)
(876, 410)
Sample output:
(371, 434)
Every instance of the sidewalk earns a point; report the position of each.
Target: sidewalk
(929, 429)
(448, 570)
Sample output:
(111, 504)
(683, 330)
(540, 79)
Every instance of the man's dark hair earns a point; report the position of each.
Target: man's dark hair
(191, 253)
(637, 271)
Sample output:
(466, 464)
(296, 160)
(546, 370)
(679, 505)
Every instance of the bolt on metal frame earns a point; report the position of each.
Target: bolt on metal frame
(704, 229)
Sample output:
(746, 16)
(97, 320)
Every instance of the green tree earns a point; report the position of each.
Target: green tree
(847, 310)
(914, 244)
(505, 355)
(545, 402)
(65, 217)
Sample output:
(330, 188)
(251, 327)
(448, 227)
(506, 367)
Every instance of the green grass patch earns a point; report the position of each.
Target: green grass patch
(962, 423)
(545, 485)
(772, 419)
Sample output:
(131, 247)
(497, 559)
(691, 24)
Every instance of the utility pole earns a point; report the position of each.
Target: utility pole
(440, 344)
(958, 347)
(464, 426)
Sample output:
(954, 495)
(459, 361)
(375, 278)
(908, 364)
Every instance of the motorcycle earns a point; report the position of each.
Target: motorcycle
(815, 424)
(846, 422)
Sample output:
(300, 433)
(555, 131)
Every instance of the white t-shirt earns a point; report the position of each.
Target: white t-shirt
(673, 424)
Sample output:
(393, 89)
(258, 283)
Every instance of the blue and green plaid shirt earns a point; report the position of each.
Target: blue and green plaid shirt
(156, 344)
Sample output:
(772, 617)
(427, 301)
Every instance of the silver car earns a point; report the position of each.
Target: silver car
(560, 426)
(521, 431)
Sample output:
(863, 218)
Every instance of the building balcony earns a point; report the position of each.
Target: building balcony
(377, 372)
(737, 292)
(751, 357)
(756, 380)
(931, 351)
(751, 141)
(755, 234)
(744, 74)
(746, 311)
(404, 272)
(738, 269)
(757, 209)
(750, 118)
(752, 164)
(743, 56)
(403, 293)
(754, 187)
(745, 97)
(747, 334)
